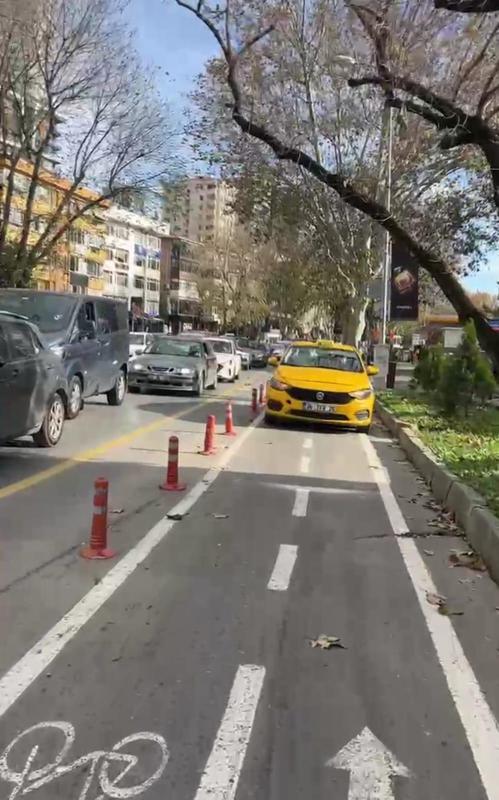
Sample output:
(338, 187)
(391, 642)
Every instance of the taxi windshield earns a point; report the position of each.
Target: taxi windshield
(323, 358)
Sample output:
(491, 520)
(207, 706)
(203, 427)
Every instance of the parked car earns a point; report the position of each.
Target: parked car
(139, 341)
(175, 363)
(228, 359)
(259, 356)
(244, 356)
(90, 335)
(322, 382)
(33, 385)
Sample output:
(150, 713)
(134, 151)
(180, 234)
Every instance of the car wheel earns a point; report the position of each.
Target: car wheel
(75, 397)
(117, 394)
(199, 389)
(52, 425)
(237, 376)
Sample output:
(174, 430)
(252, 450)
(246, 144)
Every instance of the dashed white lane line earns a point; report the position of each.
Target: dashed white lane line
(35, 661)
(224, 765)
(301, 502)
(308, 444)
(283, 569)
(305, 465)
(479, 723)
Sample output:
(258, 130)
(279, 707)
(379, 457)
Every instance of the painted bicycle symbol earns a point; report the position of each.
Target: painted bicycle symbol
(116, 772)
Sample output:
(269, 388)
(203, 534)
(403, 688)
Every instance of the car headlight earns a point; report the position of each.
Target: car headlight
(362, 394)
(279, 385)
(137, 367)
(185, 371)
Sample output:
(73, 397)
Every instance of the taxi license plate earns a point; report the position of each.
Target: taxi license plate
(321, 408)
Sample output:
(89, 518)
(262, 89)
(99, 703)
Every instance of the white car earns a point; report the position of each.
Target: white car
(139, 342)
(228, 359)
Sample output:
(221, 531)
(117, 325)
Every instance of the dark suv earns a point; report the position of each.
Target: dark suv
(90, 334)
(33, 386)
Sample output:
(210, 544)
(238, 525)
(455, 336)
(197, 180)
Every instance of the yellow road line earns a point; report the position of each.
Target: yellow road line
(95, 452)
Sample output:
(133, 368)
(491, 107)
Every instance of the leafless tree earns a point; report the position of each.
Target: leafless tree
(73, 91)
(469, 6)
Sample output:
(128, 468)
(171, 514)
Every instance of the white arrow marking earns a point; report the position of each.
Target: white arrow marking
(294, 487)
(371, 766)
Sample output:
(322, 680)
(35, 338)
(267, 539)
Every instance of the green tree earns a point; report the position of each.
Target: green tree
(466, 376)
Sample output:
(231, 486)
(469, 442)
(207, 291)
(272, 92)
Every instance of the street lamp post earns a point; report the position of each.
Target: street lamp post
(387, 261)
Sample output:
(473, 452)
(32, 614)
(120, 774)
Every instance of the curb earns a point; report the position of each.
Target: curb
(480, 525)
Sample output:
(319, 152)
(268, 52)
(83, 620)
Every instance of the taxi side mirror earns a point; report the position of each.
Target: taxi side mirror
(372, 370)
(273, 361)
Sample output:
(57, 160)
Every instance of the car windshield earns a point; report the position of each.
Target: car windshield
(220, 346)
(176, 347)
(52, 313)
(342, 360)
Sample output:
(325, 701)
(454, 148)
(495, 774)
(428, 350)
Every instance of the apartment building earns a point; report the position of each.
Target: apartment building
(75, 262)
(199, 209)
(180, 268)
(132, 265)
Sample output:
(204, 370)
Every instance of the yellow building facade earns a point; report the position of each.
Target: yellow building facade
(75, 262)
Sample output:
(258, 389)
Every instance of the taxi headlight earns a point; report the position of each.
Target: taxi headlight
(362, 394)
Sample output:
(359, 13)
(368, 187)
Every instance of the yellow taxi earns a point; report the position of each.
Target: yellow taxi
(323, 382)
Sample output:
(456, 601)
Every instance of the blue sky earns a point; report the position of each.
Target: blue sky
(170, 38)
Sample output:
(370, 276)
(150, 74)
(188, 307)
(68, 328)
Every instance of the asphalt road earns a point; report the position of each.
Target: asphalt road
(183, 668)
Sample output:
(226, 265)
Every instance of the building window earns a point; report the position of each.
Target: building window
(108, 276)
(141, 238)
(74, 263)
(140, 261)
(152, 263)
(121, 256)
(122, 280)
(153, 286)
(16, 216)
(76, 236)
(93, 269)
(138, 282)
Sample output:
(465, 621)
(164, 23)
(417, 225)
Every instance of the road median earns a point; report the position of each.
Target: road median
(471, 509)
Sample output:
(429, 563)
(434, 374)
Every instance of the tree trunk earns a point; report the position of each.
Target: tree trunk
(354, 319)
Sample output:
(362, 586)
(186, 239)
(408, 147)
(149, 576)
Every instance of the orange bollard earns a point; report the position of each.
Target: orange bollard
(254, 401)
(98, 537)
(171, 483)
(209, 437)
(229, 422)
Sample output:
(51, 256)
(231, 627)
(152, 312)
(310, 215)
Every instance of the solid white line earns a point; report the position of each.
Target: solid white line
(224, 765)
(301, 502)
(308, 444)
(283, 568)
(305, 465)
(38, 658)
(478, 721)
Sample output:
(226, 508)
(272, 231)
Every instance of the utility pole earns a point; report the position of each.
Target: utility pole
(387, 263)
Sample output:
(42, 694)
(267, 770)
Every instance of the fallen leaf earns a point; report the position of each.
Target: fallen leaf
(447, 612)
(429, 552)
(467, 558)
(176, 517)
(220, 516)
(326, 642)
(117, 511)
(436, 599)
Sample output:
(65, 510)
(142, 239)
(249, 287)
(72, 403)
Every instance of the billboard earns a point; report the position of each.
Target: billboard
(404, 285)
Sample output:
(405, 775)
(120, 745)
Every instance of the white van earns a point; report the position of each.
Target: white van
(228, 359)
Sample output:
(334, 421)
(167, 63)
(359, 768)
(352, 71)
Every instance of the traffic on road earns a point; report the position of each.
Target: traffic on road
(262, 628)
